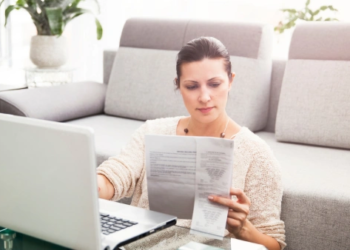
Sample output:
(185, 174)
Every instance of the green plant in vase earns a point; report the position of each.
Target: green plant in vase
(305, 14)
(50, 17)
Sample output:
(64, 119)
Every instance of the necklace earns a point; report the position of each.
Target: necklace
(222, 135)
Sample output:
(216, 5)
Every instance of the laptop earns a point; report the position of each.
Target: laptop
(48, 188)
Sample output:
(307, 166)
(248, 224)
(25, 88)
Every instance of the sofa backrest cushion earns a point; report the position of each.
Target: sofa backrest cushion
(142, 85)
(314, 105)
(141, 81)
(321, 41)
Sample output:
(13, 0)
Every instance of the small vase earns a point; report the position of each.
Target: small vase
(48, 51)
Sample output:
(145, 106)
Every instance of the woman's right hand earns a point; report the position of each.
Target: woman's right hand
(105, 187)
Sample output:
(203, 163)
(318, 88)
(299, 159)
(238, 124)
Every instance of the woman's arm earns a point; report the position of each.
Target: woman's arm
(117, 176)
(237, 222)
(105, 187)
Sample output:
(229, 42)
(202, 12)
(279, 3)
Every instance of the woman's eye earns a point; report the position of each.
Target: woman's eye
(214, 85)
(191, 87)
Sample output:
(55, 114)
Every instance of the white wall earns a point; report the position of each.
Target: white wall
(86, 51)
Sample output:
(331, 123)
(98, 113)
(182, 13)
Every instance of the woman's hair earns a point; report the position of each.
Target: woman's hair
(199, 49)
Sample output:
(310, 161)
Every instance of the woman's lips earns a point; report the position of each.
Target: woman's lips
(205, 110)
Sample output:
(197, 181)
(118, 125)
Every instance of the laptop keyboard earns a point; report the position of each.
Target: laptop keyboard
(111, 224)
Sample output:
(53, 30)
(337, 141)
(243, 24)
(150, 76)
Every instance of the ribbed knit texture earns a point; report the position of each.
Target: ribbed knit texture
(255, 170)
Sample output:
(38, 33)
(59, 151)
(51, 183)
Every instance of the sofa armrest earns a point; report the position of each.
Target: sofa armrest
(59, 103)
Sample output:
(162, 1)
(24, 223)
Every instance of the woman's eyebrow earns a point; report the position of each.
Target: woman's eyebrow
(190, 81)
(214, 78)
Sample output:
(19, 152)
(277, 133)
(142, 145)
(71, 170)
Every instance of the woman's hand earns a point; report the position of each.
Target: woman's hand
(237, 213)
(105, 187)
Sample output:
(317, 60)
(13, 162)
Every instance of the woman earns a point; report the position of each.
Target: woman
(204, 79)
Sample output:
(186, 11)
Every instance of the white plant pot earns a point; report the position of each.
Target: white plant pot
(48, 51)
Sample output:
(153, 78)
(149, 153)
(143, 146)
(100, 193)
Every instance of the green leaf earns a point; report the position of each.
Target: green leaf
(8, 10)
(75, 3)
(1, 2)
(307, 3)
(99, 29)
(332, 8)
(289, 25)
(316, 12)
(55, 17)
(21, 3)
(292, 11)
(32, 4)
(72, 13)
(331, 19)
(319, 19)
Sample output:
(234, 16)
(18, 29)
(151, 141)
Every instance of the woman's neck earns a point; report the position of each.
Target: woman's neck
(214, 128)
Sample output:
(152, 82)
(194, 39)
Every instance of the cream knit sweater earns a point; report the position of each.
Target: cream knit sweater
(255, 170)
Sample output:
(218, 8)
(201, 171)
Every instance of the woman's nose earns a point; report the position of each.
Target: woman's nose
(204, 95)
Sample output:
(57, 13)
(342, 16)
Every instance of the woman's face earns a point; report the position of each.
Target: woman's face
(204, 86)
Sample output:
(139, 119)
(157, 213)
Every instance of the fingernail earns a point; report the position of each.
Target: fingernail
(210, 197)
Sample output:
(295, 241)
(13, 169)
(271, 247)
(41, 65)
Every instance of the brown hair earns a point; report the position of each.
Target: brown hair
(200, 48)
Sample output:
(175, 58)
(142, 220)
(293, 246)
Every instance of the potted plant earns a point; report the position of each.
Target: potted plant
(48, 47)
(305, 14)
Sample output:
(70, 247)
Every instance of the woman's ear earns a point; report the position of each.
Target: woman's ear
(176, 82)
(231, 81)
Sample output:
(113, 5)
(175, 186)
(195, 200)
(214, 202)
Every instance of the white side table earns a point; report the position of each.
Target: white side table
(36, 77)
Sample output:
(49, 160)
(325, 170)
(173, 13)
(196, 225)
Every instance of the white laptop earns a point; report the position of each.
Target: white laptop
(48, 188)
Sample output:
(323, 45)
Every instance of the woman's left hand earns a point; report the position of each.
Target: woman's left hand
(238, 210)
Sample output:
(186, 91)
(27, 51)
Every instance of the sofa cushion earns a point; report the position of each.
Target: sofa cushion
(153, 33)
(250, 40)
(321, 41)
(141, 85)
(316, 198)
(248, 102)
(314, 105)
(111, 133)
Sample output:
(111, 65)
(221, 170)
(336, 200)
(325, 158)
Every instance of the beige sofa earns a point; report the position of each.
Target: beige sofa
(300, 107)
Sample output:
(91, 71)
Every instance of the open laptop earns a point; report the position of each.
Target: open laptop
(48, 188)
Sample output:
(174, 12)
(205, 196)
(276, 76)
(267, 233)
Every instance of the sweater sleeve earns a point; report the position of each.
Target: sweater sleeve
(124, 170)
(264, 188)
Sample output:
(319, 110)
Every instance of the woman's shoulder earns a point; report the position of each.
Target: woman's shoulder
(257, 153)
(248, 141)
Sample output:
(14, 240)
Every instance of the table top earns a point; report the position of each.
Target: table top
(170, 238)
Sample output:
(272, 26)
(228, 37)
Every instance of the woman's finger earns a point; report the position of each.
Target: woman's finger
(221, 200)
(235, 206)
(241, 196)
(233, 223)
(237, 216)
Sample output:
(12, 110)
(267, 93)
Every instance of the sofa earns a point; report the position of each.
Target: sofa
(299, 106)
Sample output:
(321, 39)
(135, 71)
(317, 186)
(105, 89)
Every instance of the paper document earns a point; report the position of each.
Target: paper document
(182, 171)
